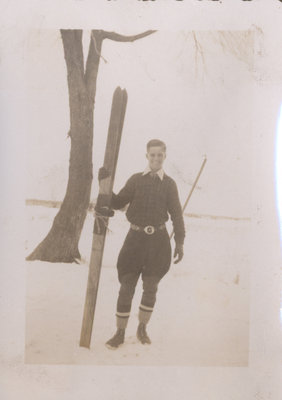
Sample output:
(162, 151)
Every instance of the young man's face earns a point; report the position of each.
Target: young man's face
(156, 156)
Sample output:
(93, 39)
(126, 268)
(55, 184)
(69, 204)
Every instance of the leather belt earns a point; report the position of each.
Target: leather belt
(149, 229)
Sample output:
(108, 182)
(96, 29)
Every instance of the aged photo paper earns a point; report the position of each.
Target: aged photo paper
(203, 77)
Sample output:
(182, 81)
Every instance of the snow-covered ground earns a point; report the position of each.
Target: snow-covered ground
(202, 313)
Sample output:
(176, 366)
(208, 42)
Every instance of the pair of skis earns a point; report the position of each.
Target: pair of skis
(100, 224)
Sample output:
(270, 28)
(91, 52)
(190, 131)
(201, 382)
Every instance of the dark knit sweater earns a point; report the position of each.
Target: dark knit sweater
(150, 201)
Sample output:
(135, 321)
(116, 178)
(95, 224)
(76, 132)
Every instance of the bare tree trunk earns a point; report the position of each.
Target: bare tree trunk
(61, 243)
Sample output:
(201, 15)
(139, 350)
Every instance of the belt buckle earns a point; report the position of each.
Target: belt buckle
(149, 229)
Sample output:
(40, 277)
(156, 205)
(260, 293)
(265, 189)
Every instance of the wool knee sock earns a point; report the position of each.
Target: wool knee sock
(144, 314)
(122, 319)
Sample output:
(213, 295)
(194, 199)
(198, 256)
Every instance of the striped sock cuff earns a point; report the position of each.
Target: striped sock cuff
(122, 319)
(145, 313)
(145, 308)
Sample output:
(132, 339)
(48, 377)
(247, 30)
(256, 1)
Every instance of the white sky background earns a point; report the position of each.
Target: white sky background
(198, 102)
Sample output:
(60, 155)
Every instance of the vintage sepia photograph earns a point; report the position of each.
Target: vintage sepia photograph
(139, 197)
(141, 200)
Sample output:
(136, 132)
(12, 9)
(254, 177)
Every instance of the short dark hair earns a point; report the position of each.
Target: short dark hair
(156, 142)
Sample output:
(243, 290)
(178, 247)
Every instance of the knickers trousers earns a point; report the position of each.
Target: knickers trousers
(148, 256)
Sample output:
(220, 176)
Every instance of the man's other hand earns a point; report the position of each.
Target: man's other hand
(178, 252)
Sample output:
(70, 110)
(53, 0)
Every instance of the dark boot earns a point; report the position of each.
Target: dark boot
(116, 340)
(142, 334)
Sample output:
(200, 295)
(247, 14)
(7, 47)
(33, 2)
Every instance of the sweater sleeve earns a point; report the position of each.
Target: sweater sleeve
(125, 195)
(175, 211)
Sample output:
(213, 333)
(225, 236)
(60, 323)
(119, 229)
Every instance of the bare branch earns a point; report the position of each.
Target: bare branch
(93, 61)
(124, 38)
(94, 54)
(96, 49)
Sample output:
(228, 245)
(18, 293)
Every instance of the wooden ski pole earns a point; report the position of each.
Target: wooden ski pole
(100, 225)
(192, 188)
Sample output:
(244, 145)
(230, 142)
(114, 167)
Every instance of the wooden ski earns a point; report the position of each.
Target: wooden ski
(100, 224)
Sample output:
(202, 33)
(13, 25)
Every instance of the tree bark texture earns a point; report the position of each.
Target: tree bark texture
(61, 243)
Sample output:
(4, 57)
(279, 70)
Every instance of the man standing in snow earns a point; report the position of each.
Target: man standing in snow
(146, 251)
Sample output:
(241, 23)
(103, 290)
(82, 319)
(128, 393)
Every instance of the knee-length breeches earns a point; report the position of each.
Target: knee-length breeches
(145, 255)
(149, 255)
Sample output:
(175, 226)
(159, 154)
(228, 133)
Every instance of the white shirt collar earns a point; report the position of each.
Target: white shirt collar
(160, 172)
